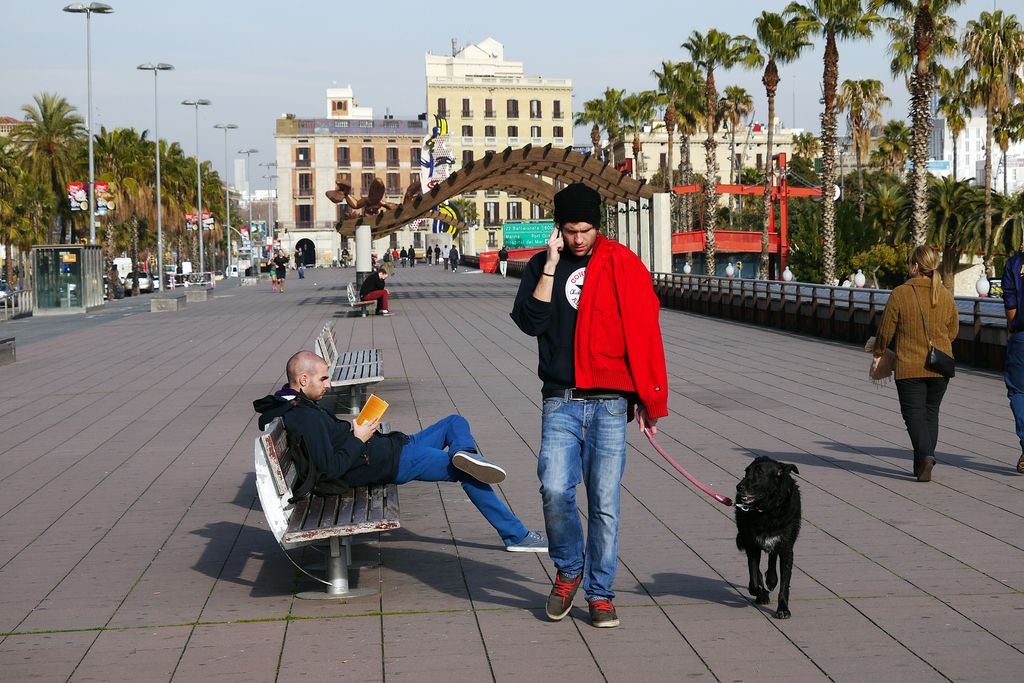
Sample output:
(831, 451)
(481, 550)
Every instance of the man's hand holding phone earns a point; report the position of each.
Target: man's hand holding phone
(555, 245)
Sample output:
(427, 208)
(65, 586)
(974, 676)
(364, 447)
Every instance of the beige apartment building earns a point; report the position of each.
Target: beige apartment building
(348, 145)
(491, 104)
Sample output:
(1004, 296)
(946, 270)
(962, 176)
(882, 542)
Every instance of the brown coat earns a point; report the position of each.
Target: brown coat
(902, 322)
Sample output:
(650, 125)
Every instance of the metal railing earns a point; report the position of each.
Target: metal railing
(17, 303)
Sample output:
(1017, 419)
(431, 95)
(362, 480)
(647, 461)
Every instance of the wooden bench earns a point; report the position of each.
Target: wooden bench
(355, 303)
(315, 519)
(352, 373)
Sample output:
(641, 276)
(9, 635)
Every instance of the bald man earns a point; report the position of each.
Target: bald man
(357, 454)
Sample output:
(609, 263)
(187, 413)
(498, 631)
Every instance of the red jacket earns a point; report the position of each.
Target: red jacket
(618, 337)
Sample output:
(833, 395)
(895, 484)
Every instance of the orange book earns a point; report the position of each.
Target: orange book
(373, 410)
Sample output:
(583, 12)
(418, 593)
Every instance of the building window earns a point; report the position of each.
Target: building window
(305, 184)
(467, 157)
(467, 131)
(367, 181)
(393, 157)
(492, 238)
(515, 211)
(344, 160)
(414, 156)
(304, 216)
(394, 183)
(343, 179)
(368, 156)
(442, 106)
(490, 131)
(536, 211)
(556, 109)
(466, 111)
(492, 213)
(558, 132)
(513, 131)
(488, 109)
(663, 160)
(535, 109)
(534, 132)
(760, 161)
(302, 157)
(512, 109)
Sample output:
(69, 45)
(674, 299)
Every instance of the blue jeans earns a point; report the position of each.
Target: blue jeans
(1013, 374)
(583, 441)
(424, 459)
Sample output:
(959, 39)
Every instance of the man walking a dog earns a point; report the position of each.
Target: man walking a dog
(601, 361)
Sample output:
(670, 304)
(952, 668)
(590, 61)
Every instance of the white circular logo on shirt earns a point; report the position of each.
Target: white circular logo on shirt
(574, 287)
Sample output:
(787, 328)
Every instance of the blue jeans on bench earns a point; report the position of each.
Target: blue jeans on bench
(424, 458)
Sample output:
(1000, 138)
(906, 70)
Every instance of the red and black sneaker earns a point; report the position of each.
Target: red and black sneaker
(562, 593)
(602, 613)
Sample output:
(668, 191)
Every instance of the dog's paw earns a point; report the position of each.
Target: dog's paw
(782, 613)
(762, 597)
(771, 579)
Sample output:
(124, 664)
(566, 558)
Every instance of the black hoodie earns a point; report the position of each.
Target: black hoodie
(335, 450)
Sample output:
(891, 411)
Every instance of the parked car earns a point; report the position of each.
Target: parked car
(145, 283)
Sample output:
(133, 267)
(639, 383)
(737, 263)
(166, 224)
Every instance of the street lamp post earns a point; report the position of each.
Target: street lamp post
(248, 192)
(156, 68)
(270, 177)
(227, 191)
(88, 11)
(199, 181)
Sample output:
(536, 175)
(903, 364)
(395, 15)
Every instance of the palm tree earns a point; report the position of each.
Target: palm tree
(781, 42)
(1008, 127)
(956, 208)
(592, 114)
(831, 19)
(638, 111)
(806, 145)
(862, 100)
(993, 46)
(893, 148)
(886, 208)
(710, 51)
(1009, 221)
(613, 118)
(50, 142)
(954, 106)
(922, 32)
(733, 108)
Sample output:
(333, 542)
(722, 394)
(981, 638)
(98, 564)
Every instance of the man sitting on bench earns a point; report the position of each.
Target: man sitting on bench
(373, 290)
(358, 455)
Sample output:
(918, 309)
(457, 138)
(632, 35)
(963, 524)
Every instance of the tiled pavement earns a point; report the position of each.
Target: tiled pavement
(132, 546)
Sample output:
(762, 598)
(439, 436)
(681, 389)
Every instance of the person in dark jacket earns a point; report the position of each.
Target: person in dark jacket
(453, 257)
(357, 454)
(1013, 372)
(503, 261)
(373, 290)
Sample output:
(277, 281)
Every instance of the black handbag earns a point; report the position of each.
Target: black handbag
(936, 360)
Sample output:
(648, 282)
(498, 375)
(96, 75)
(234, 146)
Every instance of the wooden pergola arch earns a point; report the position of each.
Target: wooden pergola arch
(518, 172)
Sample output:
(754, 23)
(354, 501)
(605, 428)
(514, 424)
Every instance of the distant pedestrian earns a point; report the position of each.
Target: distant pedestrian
(444, 255)
(453, 257)
(387, 260)
(1013, 374)
(920, 314)
(437, 254)
(429, 256)
(280, 265)
(404, 256)
(300, 261)
(412, 257)
(503, 261)
(345, 256)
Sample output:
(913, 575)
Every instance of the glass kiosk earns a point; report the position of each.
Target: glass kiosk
(68, 278)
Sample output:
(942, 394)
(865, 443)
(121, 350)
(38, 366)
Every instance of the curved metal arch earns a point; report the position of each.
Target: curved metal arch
(517, 171)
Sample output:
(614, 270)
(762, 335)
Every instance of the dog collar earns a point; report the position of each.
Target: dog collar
(743, 507)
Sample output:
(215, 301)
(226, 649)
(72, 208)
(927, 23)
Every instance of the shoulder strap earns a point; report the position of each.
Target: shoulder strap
(923, 320)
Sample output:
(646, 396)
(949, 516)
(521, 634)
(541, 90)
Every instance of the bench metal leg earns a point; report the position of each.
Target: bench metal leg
(337, 577)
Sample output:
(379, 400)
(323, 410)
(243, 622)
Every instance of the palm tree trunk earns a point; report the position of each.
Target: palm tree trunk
(8, 260)
(955, 137)
(988, 187)
(134, 225)
(762, 270)
(828, 162)
(860, 183)
(711, 160)
(921, 120)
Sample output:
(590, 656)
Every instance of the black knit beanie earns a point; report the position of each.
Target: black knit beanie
(578, 203)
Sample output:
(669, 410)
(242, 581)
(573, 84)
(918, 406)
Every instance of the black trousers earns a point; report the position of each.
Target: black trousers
(920, 398)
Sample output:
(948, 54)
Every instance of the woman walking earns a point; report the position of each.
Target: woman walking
(920, 315)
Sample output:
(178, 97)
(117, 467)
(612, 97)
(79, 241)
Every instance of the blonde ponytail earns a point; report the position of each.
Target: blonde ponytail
(927, 260)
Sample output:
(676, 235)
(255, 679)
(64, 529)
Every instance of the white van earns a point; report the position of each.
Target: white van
(124, 266)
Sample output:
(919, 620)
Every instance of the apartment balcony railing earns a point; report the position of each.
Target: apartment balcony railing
(394, 163)
(304, 192)
(302, 163)
(467, 140)
(490, 115)
(490, 141)
(513, 141)
(467, 113)
(304, 225)
(344, 163)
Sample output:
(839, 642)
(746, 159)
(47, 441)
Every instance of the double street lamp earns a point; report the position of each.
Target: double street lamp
(199, 181)
(88, 11)
(248, 188)
(157, 68)
(227, 192)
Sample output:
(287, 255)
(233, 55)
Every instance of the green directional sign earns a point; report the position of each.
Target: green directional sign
(523, 234)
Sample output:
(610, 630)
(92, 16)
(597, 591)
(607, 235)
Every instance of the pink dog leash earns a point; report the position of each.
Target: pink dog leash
(717, 496)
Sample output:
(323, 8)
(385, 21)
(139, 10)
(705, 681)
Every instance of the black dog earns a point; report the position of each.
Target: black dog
(768, 519)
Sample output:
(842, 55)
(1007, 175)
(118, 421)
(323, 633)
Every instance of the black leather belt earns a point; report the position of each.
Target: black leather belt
(583, 394)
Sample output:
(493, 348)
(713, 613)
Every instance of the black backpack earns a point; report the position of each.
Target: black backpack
(308, 479)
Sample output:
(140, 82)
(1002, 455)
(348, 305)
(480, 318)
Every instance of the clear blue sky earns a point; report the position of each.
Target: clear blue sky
(258, 59)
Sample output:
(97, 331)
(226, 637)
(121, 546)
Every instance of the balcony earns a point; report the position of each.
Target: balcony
(513, 115)
(490, 115)
(394, 163)
(369, 163)
(535, 115)
(303, 225)
(302, 163)
(513, 141)
(344, 163)
(304, 192)
(557, 115)
(467, 140)
(491, 142)
(467, 113)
